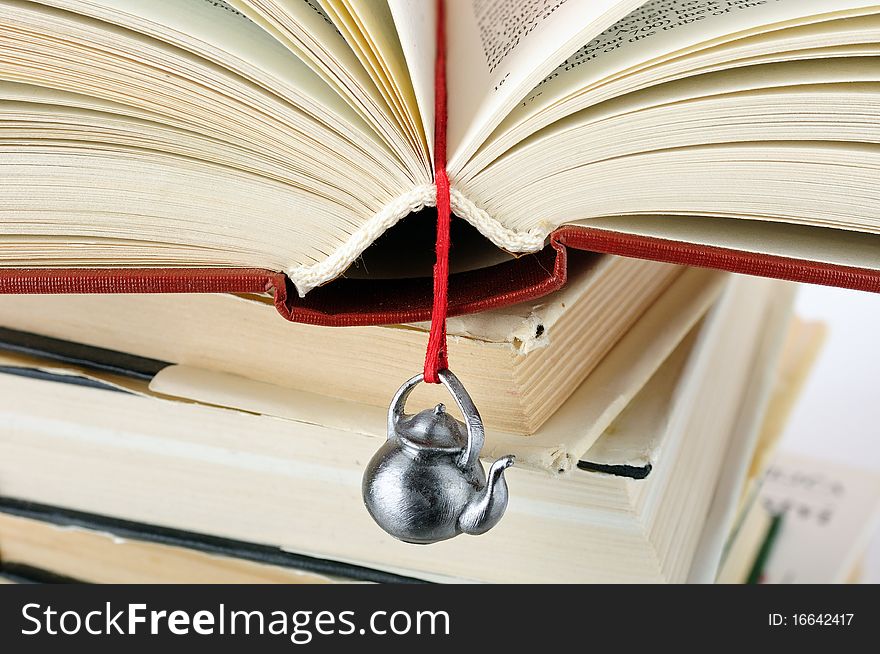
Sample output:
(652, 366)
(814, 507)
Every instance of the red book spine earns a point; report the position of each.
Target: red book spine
(349, 302)
(342, 303)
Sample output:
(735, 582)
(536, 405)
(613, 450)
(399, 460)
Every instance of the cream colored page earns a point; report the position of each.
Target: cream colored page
(377, 23)
(498, 50)
(416, 24)
(661, 27)
(308, 27)
(313, 21)
(347, 25)
(308, 16)
(370, 32)
(323, 49)
(222, 28)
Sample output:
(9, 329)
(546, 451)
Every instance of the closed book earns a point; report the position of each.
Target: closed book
(230, 459)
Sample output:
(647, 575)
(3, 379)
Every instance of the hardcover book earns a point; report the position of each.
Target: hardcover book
(632, 490)
(264, 146)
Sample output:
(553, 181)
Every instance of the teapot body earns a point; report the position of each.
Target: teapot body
(426, 482)
(416, 496)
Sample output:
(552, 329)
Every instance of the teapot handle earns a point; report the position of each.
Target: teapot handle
(398, 403)
(476, 434)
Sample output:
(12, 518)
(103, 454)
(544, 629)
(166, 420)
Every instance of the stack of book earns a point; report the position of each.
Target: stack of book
(164, 449)
(177, 173)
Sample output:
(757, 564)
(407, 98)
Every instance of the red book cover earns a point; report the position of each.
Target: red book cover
(348, 302)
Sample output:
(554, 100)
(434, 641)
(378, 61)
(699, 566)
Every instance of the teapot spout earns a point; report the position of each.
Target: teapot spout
(487, 507)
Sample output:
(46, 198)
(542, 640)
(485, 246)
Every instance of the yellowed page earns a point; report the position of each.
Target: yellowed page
(320, 26)
(662, 27)
(217, 29)
(416, 24)
(378, 26)
(500, 49)
(362, 43)
(306, 30)
(310, 34)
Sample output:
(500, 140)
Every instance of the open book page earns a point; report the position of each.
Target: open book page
(218, 32)
(500, 49)
(778, 134)
(369, 29)
(303, 27)
(320, 45)
(222, 35)
(416, 23)
(855, 74)
(178, 188)
(657, 30)
(305, 30)
(381, 33)
(814, 43)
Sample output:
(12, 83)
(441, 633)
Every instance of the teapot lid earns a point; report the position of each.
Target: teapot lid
(434, 429)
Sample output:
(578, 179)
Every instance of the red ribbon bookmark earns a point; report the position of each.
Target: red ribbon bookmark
(436, 358)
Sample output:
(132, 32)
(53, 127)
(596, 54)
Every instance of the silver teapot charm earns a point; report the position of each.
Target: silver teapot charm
(426, 483)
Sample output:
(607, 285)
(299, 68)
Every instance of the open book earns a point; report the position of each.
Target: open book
(265, 145)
